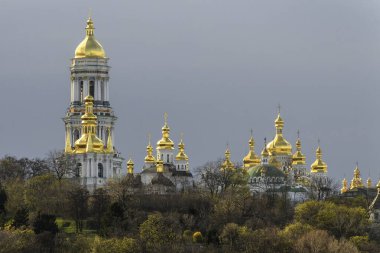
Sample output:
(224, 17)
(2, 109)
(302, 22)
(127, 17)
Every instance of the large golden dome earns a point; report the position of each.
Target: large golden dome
(279, 144)
(165, 142)
(90, 47)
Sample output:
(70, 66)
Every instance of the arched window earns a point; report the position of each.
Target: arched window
(162, 157)
(91, 89)
(76, 135)
(78, 169)
(167, 158)
(81, 91)
(100, 170)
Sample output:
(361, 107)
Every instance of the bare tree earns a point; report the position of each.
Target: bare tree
(321, 187)
(61, 164)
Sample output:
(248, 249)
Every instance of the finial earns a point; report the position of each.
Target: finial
(298, 133)
(279, 108)
(181, 136)
(89, 13)
(265, 141)
(166, 117)
(251, 132)
(149, 137)
(357, 164)
(319, 142)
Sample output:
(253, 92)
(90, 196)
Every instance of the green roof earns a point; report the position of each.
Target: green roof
(267, 169)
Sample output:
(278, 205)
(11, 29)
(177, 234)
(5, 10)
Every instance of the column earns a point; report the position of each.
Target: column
(85, 87)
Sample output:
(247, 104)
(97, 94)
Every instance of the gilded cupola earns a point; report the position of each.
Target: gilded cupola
(89, 47)
(279, 144)
(356, 181)
(165, 142)
(298, 157)
(130, 166)
(319, 166)
(89, 142)
(369, 183)
(149, 158)
(344, 186)
(181, 156)
(227, 164)
(251, 159)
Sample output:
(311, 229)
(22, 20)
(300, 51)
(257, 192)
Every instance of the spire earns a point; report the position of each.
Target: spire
(90, 27)
(165, 142)
(181, 156)
(298, 157)
(68, 148)
(149, 158)
(130, 166)
(344, 186)
(109, 142)
(369, 183)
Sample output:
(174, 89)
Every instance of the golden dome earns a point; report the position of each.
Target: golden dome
(279, 144)
(369, 183)
(89, 47)
(264, 152)
(181, 156)
(319, 165)
(165, 142)
(227, 164)
(298, 157)
(251, 159)
(149, 158)
(130, 166)
(89, 142)
(344, 186)
(356, 181)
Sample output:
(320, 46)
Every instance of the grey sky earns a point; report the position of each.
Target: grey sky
(218, 67)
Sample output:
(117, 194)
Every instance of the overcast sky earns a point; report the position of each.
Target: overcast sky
(218, 67)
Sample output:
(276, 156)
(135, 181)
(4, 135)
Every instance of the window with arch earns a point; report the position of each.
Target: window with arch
(91, 89)
(167, 158)
(81, 91)
(76, 135)
(100, 170)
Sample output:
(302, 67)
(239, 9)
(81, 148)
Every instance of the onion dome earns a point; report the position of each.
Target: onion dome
(89, 47)
(279, 144)
(227, 164)
(298, 157)
(369, 183)
(356, 181)
(130, 166)
(318, 165)
(181, 156)
(89, 142)
(149, 158)
(165, 142)
(251, 159)
(344, 186)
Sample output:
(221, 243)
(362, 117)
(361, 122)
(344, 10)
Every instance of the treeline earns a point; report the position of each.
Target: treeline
(42, 212)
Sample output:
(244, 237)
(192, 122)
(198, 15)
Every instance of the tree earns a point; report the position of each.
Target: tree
(319, 241)
(113, 245)
(157, 232)
(3, 200)
(99, 204)
(10, 168)
(78, 206)
(45, 223)
(340, 220)
(21, 217)
(61, 164)
(321, 187)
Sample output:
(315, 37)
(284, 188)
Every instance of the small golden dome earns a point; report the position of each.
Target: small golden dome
(356, 181)
(251, 159)
(130, 166)
(344, 186)
(149, 158)
(319, 165)
(89, 47)
(181, 156)
(165, 142)
(279, 144)
(369, 183)
(227, 164)
(298, 157)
